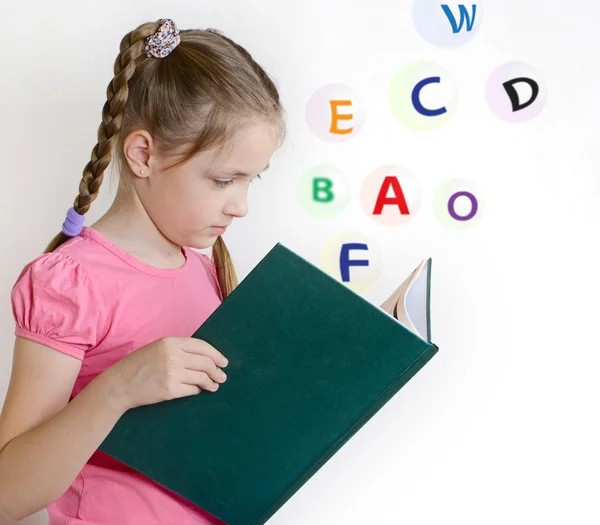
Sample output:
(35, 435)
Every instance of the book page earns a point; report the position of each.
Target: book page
(416, 303)
(394, 304)
(408, 303)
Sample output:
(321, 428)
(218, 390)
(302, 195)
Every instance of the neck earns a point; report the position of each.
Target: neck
(127, 225)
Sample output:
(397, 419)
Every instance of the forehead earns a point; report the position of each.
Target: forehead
(254, 143)
(248, 150)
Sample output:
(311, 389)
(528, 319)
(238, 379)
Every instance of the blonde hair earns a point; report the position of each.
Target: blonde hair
(191, 100)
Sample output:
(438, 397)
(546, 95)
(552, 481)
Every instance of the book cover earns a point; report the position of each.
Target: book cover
(310, 362)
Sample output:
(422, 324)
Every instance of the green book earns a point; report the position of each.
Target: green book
(310, 362)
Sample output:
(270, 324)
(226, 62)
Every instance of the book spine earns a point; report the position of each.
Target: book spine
(387, 394)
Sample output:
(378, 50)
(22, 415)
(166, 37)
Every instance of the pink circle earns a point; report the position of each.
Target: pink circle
(504, 92)
(391, 195)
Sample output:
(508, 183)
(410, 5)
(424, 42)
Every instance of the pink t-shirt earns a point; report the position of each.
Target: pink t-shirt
(93, 301)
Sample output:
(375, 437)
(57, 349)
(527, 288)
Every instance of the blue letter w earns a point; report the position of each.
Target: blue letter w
(463, 15)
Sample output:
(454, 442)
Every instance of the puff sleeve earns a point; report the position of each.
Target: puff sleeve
(55, 303)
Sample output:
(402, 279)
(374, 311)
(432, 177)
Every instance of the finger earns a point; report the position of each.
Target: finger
(204, 364)
(187, 390)
(201, 379)
(199, 346)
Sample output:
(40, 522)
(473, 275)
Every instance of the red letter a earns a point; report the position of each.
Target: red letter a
(397, 199)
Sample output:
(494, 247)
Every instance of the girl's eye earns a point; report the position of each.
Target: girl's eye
(222, 183)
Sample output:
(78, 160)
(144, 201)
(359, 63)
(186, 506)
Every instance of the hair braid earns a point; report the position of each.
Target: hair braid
(131, 49)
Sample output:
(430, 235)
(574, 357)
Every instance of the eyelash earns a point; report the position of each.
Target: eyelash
(225, 183)
(222, 183)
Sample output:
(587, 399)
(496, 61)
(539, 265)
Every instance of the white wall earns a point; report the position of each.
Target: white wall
(499, 427)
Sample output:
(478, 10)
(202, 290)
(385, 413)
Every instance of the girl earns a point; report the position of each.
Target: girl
(104, 316)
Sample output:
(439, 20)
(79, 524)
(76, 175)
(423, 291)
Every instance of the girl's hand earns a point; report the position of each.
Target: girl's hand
(166, 369)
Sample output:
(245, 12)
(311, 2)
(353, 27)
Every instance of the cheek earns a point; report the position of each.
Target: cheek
(180, 204)
(192, 206)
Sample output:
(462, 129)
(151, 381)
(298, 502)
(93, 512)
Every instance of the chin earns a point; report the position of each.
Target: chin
(202, 241)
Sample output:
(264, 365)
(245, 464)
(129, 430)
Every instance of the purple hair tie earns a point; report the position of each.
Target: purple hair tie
(73, 223)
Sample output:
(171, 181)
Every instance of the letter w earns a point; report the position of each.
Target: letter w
(464, 14)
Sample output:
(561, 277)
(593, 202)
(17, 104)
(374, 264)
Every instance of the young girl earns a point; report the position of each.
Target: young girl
(104, 317)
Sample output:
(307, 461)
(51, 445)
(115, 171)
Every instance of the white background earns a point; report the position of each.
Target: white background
(502, 425)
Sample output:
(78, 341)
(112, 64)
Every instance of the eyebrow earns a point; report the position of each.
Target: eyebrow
(238, 173)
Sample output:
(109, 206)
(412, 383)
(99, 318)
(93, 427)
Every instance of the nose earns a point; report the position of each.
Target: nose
(237, 206)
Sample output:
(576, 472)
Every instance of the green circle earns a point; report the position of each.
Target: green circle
(442, 197)
(305, 192)
(400, 97)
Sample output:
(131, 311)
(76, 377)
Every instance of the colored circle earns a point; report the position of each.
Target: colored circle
(516, 92)
(354, 256)
(323, 191)
(422, 96)
(458, 204)
(334, 113)
(391, 195)
(446, 25)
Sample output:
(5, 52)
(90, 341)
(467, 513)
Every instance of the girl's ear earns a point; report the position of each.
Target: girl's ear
(137, 148)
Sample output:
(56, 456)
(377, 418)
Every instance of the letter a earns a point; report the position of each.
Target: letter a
(397, 199)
